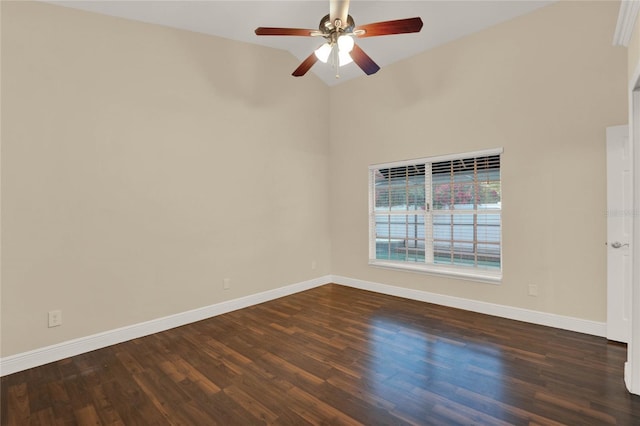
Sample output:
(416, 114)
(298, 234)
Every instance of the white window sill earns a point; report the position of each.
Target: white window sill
(472, 274)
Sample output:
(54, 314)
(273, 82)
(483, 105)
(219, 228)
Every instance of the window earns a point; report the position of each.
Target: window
(439, 215)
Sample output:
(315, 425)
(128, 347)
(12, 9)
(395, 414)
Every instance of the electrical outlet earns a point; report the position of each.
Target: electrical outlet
(226, 283)
(55, 318)
(533, 290)
(314, 264)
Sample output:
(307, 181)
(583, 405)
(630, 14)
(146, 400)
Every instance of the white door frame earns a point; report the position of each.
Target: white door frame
(632, 366)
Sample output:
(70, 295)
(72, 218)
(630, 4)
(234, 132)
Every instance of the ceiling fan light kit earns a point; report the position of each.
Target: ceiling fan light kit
(338, 29)
(342, 49)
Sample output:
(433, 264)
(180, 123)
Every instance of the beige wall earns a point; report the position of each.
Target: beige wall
(142, 165)
(543, 86)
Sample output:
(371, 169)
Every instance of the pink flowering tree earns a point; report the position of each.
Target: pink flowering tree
(447, 194)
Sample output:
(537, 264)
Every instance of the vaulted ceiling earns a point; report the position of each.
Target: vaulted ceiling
(444, 21)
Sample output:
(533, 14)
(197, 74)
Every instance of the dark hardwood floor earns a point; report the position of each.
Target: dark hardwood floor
(335, 355)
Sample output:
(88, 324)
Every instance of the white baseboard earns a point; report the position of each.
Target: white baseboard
(41, 356)
(535, 317)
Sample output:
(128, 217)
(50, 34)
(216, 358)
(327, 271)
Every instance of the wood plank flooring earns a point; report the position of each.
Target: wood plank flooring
(334, 355)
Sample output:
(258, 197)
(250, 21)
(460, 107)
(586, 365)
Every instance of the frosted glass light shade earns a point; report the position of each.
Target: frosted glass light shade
(345, 43)
(344, 58)
(323, 52)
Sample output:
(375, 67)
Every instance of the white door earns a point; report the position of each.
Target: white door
(619, 233)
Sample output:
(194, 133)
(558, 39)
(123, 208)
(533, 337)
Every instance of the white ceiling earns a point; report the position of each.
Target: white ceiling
(444, 21)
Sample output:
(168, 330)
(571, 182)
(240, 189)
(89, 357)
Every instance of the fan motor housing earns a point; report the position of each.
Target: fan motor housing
(327, 27)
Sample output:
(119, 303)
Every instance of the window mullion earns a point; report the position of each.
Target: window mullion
(428, 214)
(476, 198)
(406, 217)
(452, 206)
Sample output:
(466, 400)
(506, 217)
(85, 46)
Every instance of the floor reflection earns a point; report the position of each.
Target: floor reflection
(410, 359)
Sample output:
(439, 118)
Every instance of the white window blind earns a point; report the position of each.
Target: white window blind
(440, 215)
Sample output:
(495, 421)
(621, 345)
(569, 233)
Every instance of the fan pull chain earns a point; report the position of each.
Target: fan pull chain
(335, 60)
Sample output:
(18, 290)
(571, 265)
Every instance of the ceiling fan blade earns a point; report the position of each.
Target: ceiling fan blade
(364, 61)
(305, 65)
(274, 31)
(399, 26)
(338, 9)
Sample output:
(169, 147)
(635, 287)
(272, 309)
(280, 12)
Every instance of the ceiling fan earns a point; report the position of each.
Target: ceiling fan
(338, 29)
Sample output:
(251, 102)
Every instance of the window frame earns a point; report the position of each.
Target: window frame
(474, 273)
